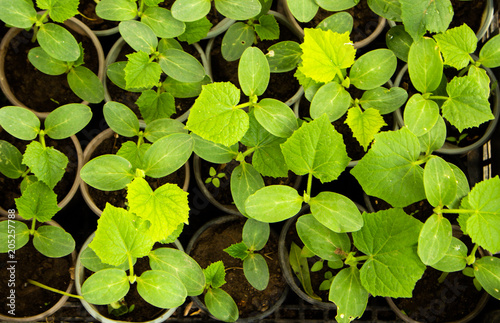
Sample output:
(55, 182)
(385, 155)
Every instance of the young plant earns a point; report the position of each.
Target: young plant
(255, 235)
(219, 302)
(193, 10)
(326, 56)
(167, 207)
(41, 167)
(214, 177)
(59, 51)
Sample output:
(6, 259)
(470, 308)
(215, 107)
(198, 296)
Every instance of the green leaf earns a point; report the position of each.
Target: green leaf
(364, 124)
(19, 122)
(160, 20)
(332, 99)
(238, 250)
(106, 286)
(214, 116)
(155, 105)
(139, 36)
(399, 41)
(181, 66)
(456, 44)
(28, 180)
(46, 63)
(322, 241)
(420, 16)
(434, 239)
(487, 272)
(348, 293)
(245, 181)
(59, 10)
(221, 305)
(454, 259)
(256, 271)
(238, 10)
(120, 234)
(37, 201)
(253, 72)
(133, 153)
(181, 265)
(161, 289)
(489, 55)
(13, 235)
(389, 238)
(47, 163)
(340, 22)
(165, 208)
(325, 54)
(383, 99)
(434, 138)
(283, 56)
(107, 173)
(303, 10)
(300, 268)
(316, 148)
(168, 154)
(212, 152)
(92, 262)
(116, 73)
(116, 10)
(273, 203)
(373, 69)
(467, 106)
(58, 42)
(121, 119)
(425, 65)
(215, 274)
(85, 84)
(160, 128)
(255, 234)
(276, 117)
(53, 242)
(67, 120)
(338, 5)
(190, 10)
(267, 28)
(420, 114)
(336, 212)
(195, 30)
(483, 223)
(236, 40)
(18, 13)
(462, 184)
(439, 182)
(390, 169)
(389, 9)
(140, 72)
(184, 89)
(11, 160)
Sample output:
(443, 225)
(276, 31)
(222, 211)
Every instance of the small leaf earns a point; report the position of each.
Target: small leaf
(53, 242)
(303, 10)
(255, 234)
(253, 72)
(256, 271)
(140, 72)
(267, 28)
(489, 55)
(340, 22)
(92, 262)
(67, 120)
(155, 105)
(58, 42)
(106, 286)
(487, 272)
(107, 173)
(19, 122)
(212, 152)
(348, 293)
(399, 41)
(364, 124)
(11, 160)
(195, 30)
(221, 305)
(47, 163)
(160, 128)
(116, 73)
(215, 274)
(300, 268)
(181, 66)
(116, 10)
(133, 153)
(13, 235)
(273, 203)
(161, 289)
(59, 10)
(85, 84)
(418, 17)
(245, 181)
(434, 138)
(184, 89)
(236, 40)
(238, 250)
(384, 100)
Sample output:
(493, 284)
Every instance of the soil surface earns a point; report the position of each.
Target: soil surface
(10, 188)
(209, 248)
(39, 91)
(119, 198)
(468, 12)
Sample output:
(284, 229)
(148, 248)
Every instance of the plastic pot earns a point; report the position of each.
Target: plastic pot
(73, 24)
(86, 157)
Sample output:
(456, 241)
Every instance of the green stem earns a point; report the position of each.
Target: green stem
(140, 140)
(442, 277)
(438, 97)
(457, 211)
(53, 289)
(309, 184)
(248, 152)
(472, 257)
(243, 105)
(41, 135)
(33, 224)
(131, 266)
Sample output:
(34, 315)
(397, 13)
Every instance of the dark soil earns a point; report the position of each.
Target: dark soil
(31, 264)
(10, 188)
(468, 12)
(39, 91)
(420, 210)
(209, 248)
(90, 18)
(119, 198)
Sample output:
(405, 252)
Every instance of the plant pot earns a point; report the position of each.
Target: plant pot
(219, 234)
(229, 70)
(292, 281)
(452, 149)
(357, 44)
(78, 157)
(87, 154)
(18, 267)
(449, 292)
(7, 84)
(227, 208)
(92, 309)
(99, 26)
(130, 97)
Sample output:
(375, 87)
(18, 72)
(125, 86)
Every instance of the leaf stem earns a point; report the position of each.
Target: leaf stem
(41, 135)
(33, 224)
(130, 266)
(53, 289)
(472, 257)
(442, 277)
(438, 97)
(243, 105)
(457, 211)
(309, 184)
(140, 140)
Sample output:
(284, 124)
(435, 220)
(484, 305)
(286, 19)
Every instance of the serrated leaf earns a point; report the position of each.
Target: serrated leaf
(154, 105)
(393, 266)
(300, 268)
(46, 63)
(120, 234)
(38, 201)
(332, 99)
(18, 13)
(47, 163)
(59, 10)
(420, 16)
(256, 271)
(238, 10)
(11, 160)
(245, 181)
(364, 124)
(161, 289)
(325, 54)
(373, 69)
(13, 230)
(195, 30)
(212, 152)
(253, 72)
(454, 258)
(348, 293)
(273, 203)
(168, 154)
(434, 239)
(140, 72)
(268, 28)
(139, 36)
(316, 148)
(221, 305)
(236, 40)
(390, 170)
(276, 117)
(53, 241)
(439, 182)
(181, 65)
(489, 55)
(133, 153)
(19, 122)
(425, 65)
(67, 120)
(116, 74)
(322, 241)
(107, 173)
(190, 10)
(106, 286)
(255, 234)
(303, 10)
(420, 114)
(456, 44)
(162, 23)
(238, 250)
(160, 128)
(336, 212)
(487, 272)
(283, 56)
(116, 10)
(215, 274)
(214, 117)
(58, 42)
